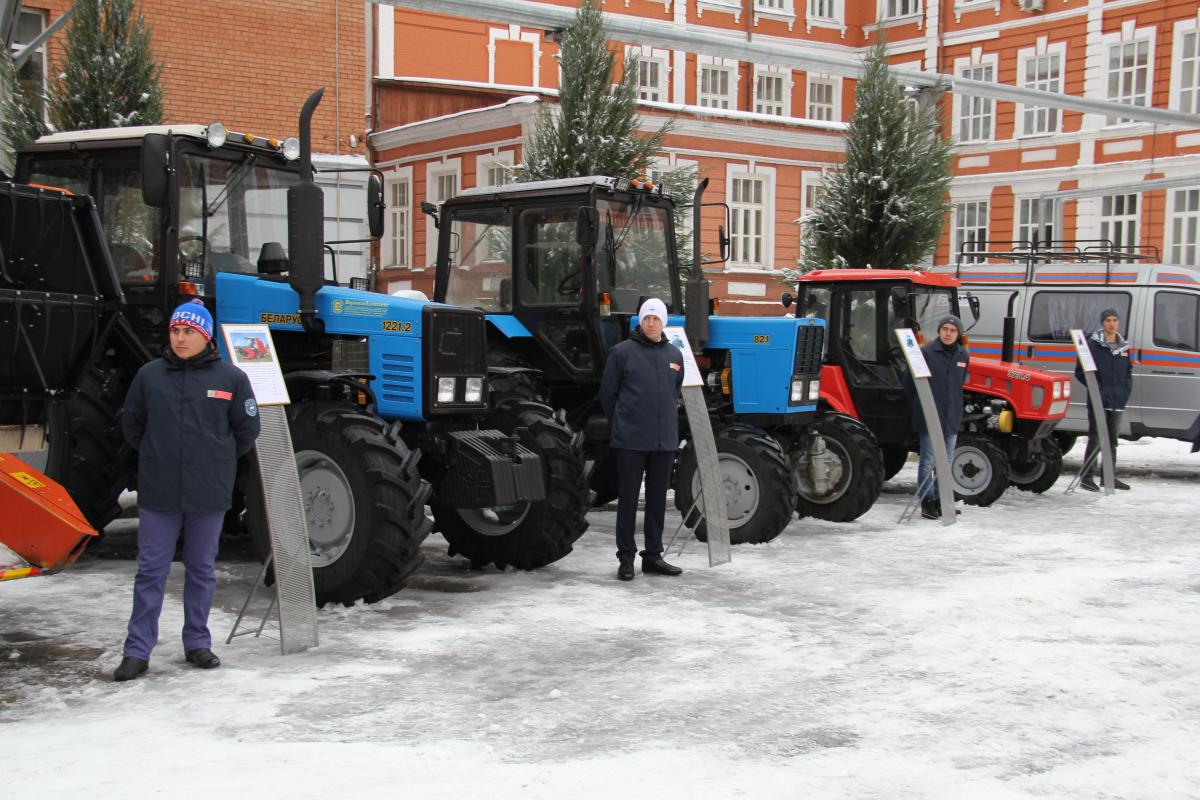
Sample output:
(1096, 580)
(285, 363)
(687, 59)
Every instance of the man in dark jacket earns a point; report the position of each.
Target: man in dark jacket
(1114, 379)
(190, 416)
(948, 364)
(638, 393)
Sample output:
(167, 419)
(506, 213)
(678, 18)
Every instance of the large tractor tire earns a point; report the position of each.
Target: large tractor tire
(980, 470)
(755, 480)
(363, 500)
(1040, 472)
(895, 456)
(525, 535)
(852, 467)
(87, 452)
(1065, 441)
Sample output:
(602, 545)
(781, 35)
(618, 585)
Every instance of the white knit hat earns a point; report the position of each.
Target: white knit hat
(653, 308)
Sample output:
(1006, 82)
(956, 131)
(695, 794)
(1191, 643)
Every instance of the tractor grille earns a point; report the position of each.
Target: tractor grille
(352, 354)
(809, 344)
(398, 383)
(456, 342)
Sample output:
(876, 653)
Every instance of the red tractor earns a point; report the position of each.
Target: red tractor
(1010, 409)
(252, 349)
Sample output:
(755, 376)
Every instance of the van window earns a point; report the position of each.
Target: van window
(1177, 321)
(1053, 314)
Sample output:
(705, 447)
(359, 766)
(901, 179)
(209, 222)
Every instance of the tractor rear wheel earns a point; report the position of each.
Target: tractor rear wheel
(755, 480)
(980, 470)
(840, 476)
(87, 452)
(895, 456)
(1038, 473)
(364, 503)
(525, 535)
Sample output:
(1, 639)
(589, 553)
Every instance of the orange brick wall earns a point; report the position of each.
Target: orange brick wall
(251, 65)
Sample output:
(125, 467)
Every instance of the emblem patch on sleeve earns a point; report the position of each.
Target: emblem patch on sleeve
(251, 408)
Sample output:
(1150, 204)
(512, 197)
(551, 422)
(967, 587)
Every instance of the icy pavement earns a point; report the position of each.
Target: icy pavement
(1044, 647)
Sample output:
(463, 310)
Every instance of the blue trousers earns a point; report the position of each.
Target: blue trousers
(631, 466)
(925, 468)
(157, 534)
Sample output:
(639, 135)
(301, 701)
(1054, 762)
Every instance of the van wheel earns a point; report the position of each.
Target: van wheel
(980, 470)
(1039, 472)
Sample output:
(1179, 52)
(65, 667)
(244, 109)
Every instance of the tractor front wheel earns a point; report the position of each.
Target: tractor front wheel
(980, 470)
(1038, 472)
(839, 469)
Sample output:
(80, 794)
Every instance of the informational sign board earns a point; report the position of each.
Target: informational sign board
(252, 350)
(691, 371)
(1079, 339)
(941, 459)
(912, 352)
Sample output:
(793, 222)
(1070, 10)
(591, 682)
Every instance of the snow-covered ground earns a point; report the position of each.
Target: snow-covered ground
(1044, 647)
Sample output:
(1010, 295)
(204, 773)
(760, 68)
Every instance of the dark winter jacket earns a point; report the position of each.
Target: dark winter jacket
(947, 374)
(1114, 370)
(638, 393)
(190, 421)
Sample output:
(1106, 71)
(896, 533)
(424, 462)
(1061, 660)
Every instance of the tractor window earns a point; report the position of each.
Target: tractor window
(550, 269)
(480, 274)
(813, 302)
(633, 255)
(1053, 315)
(930, 307)
(130, 225)
(861, 321)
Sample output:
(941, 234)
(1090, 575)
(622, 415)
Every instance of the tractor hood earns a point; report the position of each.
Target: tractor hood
(1034, 394)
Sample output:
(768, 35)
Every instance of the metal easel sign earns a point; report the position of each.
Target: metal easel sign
(1079, 339)
(941, 459)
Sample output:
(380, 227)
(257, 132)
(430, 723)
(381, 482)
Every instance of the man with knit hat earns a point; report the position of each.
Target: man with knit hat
(190, 416)
(1114, 379)
(638, 392)
(948, 364)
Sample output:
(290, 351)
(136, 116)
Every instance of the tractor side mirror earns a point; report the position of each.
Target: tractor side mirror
(786, 299)
(723, 242)
(973, 304)
(375, 206)
(156, 158)
(432, 210)
(587, 225)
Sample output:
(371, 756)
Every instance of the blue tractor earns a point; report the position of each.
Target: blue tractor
(389, 394)
(559, 269)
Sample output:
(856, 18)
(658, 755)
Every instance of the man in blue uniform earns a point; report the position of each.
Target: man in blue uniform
(948, 364)
(638, 393)
(1114, 379)
(190, 416)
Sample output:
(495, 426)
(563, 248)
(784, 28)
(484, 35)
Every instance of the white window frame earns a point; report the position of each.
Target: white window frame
(513, 33)
(1186, 98)
(433, 171)
(781, 10)
(890, 10)
(486, 161)
(960, 229)
(648, 55)
(40, 52)
(727, 65)
(1026, 208)
(835, 89)
(786, 83)
(1129, 35)
(395, 217)
(1183, 249)
(975, 107)
(825, 14)
(767, 176)
(1123, 220)
(811, 183)
(1024, 57)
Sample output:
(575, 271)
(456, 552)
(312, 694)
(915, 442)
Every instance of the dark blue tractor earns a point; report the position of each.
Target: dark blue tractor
(559, 269)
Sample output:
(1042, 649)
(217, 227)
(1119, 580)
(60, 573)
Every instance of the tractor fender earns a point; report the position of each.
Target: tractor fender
(835, 392)
(508, 326)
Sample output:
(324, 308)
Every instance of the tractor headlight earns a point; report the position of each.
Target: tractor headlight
(445, 392)
(291, 148)
(215, 134)
(814, 390)
(797, 395)
(1057, 391)
(1067, 389)
(474, 393)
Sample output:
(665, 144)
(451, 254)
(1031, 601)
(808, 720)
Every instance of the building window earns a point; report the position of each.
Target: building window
(749, 206)
(32, 75)
(821, 99)
(824, 10)
(1187, 68)
(782, 6)
(1042, 72)
(894, 9)
(1119, 220)
(1185, 227)
(1129, 74)
(652, 79)
(716, 87)
(395, 249)
(441, 183)
(970, 230)
(1036, 221)
(975, 114)
(770, 94)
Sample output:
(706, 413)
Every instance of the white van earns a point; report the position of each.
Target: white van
(1058, 290)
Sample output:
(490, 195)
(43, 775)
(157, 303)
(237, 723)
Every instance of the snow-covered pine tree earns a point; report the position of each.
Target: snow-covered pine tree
(594, 129)
(20, 120)
(108, 78)
(884, 207)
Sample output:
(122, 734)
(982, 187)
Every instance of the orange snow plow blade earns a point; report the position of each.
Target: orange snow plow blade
(38, 521)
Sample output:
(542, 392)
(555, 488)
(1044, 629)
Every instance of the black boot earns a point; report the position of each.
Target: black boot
(203, 658)
(130, 668)
(1089, 484)
(1120, 484)
(656, 566)
(625, 571)
(931, 509)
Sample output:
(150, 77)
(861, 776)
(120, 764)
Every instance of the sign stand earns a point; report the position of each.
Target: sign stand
(711, 500)
(941, 459)
(251, 349)
(1093, 391)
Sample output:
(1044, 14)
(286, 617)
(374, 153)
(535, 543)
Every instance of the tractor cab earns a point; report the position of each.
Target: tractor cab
(565, 262)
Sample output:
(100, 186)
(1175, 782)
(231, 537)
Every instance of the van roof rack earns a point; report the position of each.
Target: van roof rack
(1034, 253)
